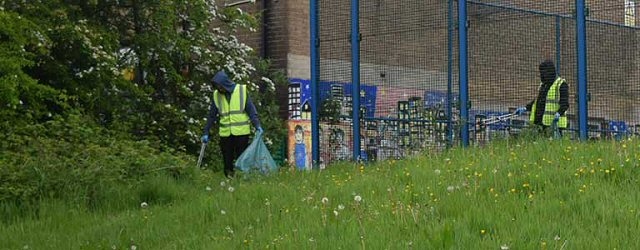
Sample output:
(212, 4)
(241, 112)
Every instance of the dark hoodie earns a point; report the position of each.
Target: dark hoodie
(547, 77)
(222, 80)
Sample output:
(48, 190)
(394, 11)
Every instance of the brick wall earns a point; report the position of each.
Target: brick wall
(407, 41)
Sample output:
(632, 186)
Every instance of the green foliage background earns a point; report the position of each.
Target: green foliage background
(73, 123)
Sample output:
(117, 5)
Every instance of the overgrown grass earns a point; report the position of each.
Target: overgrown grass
(534, 195)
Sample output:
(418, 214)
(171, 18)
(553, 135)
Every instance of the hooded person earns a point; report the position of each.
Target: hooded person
(233, 110)
(552, 101)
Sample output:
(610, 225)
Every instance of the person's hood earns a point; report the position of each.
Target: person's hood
(221, 79)
(547, 72)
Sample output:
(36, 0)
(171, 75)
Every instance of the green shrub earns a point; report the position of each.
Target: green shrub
(73, 160)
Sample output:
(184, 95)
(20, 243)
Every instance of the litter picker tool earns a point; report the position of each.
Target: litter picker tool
(202, 148)
(484, 123)
(556, 130)
(497, 119)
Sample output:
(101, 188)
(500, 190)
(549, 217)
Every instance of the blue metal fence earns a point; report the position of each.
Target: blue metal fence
(408, 52)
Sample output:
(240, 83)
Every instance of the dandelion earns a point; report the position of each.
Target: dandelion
(482, 231)
(357, 198)
(504, 247)
(231, 189)
(340, 207)
(144, 205)
(133, 247)
(557, 238)
(223, 183)
(208, 188)
(335, 213)
(325, 200)
(222, 212)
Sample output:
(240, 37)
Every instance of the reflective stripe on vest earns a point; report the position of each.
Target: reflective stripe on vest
(233, 119)
(552, 105)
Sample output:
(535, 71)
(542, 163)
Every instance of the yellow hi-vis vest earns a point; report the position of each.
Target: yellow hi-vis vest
(552, 105)
(233, 119)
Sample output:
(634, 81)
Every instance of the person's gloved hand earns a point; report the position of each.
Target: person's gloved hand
(259, 130)
(204, 139)
(556, 117)
(520, 110)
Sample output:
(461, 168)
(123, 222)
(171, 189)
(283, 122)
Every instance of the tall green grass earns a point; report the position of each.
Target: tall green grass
(509, 195)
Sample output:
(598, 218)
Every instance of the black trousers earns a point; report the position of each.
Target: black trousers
(232, 147)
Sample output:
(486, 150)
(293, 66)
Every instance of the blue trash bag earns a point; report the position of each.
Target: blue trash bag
(256, 157)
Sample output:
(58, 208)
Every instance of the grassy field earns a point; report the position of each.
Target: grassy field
(534, 195)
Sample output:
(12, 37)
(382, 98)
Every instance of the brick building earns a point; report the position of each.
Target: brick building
(505, 46)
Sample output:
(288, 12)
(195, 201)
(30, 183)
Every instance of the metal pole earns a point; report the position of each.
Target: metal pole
(463, 70)
(558, 43)
(581, 44)
(315, 80)
(450, 77)
(355, 75)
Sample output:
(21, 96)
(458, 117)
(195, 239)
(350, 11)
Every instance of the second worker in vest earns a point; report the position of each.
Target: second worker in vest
(233, 110)
(552, 102)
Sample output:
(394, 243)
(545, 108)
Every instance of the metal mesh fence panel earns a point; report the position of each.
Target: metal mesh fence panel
(403, 78)
(613, 69)
(404, 65)
(508, 40)
(336, 139)
(409, 63)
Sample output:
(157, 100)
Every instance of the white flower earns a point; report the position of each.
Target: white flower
(222, 212)
(335, 212)
(504, 247)
(357, 198)
(229, 229)
(144, 205)
(208, 188)
(451, 188)
(231, 189)
(557, 238)
(340, 207)
(325, 200)
(223, 183)
(133, 247)
(437, 171)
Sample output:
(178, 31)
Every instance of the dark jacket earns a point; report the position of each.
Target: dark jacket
(547, 77)
(221, 79)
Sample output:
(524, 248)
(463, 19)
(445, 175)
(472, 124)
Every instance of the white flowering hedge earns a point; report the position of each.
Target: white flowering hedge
(142, 67)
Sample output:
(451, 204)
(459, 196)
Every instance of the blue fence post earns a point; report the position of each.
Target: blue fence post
(314, 46)
(450, 76)
(581, 45)
(558, 43)
(355, 75)
(463, 70)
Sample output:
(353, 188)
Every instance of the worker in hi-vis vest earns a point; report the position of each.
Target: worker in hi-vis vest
(552, 101)
(233, 110)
